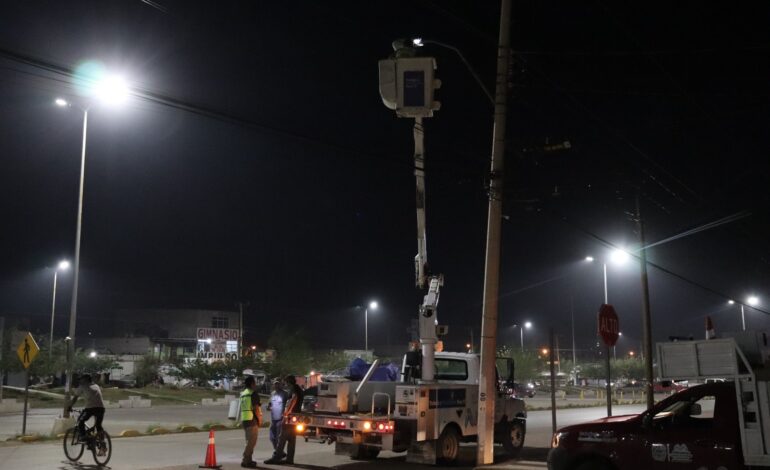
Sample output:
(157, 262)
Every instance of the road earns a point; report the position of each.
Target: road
(186, 451)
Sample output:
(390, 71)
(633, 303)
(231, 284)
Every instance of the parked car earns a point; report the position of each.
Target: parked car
(524, 390)
(126, 381)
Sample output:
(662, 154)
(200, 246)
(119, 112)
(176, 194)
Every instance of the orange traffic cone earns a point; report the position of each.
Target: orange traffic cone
(211, 454)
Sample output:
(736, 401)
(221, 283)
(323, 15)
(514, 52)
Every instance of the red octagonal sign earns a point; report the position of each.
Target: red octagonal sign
(609, 326)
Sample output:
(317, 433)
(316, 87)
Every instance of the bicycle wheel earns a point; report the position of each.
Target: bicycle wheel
(73, 448)
(102, 449)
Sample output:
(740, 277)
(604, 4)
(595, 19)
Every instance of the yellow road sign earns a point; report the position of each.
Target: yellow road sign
(27, 350)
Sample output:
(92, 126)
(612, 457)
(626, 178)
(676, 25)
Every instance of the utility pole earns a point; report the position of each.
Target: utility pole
(646, 319)
(487, 381)
(240, 328)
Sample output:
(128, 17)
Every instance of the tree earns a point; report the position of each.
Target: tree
(330, 361)
(146, 369)
(293, 355)
(526, 365)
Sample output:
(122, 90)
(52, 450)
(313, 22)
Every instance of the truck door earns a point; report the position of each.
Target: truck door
(697, 431)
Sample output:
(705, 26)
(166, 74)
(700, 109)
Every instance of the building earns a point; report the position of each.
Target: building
(174, 333)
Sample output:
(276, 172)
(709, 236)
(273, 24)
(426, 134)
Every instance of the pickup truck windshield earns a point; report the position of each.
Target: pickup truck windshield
(451, 369)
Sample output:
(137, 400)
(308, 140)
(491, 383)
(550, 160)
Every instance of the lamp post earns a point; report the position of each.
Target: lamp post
(753, 301)
(62, 266)
(419, 42)
(527, 325)
(372, 305)
(110, 90)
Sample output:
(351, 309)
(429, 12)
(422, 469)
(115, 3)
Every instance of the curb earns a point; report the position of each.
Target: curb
(30, 438)
(130, 433)
(184, 429)
(157, 431)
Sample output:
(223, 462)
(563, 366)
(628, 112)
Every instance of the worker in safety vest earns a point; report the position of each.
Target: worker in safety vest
(251, 417)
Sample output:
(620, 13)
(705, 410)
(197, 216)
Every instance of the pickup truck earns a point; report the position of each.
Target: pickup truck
(720, 425)
(426, 420)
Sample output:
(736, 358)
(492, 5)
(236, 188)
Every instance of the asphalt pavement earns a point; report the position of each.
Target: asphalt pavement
(186, 451)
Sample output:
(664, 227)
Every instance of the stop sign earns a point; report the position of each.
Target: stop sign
(609, 326)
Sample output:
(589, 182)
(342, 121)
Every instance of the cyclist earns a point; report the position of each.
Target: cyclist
(94, 405)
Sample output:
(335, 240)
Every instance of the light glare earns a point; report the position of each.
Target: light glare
(63, 265)
(590, 259)
(417, 42)
(372, 305)
(730, 302)
(111, 90)
(528, 325)
(61, 102)
(753, 300)
(619, 256)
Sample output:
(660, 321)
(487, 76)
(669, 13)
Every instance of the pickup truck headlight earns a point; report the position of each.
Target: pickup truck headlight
(558, 438)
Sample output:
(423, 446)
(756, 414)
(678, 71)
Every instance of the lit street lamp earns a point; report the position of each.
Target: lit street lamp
(752, 301)
(111, 90)
(62, 266)
(373, 306)
(527, 325)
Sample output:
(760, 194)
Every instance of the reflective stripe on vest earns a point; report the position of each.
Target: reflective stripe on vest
(247, 412)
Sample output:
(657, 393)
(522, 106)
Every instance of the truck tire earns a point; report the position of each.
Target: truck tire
(512, 437)
(448, 446)
(362, 452)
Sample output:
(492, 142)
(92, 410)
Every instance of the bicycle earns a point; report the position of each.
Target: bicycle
(99, 444)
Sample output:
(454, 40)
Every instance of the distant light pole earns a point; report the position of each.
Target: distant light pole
(617, 256)
(615, 348)
(373, 306)
(753, 301)
(527, 325)
(110, 90)
(62, 266)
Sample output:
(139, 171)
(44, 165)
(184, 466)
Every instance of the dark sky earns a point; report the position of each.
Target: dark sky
(289, 185)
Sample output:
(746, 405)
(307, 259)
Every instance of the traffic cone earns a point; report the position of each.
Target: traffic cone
(211, 454)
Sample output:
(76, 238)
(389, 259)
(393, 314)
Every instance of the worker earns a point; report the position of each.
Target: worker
(277, 405)
(288, 438)
(251, 417)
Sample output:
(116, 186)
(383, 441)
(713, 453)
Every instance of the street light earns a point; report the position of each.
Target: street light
(752, 301)
(62, 266)
(111, 90)
(617, 256)
(420, 42)
(527, 325)
(373, 306)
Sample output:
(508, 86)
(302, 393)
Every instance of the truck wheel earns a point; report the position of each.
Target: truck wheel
(513, 437)
(362, 452)
(448, 446)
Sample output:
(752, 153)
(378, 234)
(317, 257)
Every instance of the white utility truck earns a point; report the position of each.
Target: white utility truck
(427, 420)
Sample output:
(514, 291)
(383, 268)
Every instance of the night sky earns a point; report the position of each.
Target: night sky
(257, 163)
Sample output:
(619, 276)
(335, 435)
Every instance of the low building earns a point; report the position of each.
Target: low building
(210, 335)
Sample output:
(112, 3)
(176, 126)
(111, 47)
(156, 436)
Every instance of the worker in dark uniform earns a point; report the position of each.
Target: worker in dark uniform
(288, 436)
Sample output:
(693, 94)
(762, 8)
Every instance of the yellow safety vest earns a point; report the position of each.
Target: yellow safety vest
(247, 412)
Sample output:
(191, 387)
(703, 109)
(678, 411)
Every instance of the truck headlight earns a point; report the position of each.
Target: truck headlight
(558, 438)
